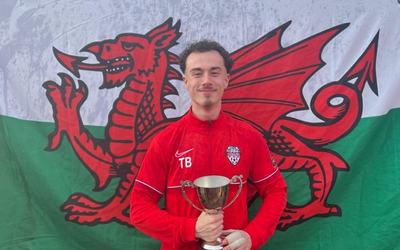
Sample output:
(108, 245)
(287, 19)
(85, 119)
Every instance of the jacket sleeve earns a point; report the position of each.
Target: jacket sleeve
(145, 213)
(273, 190)
(150, 219)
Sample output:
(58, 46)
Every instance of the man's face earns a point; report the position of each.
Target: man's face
(206, 79)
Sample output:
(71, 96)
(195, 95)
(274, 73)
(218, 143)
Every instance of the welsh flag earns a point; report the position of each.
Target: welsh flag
(86, 85)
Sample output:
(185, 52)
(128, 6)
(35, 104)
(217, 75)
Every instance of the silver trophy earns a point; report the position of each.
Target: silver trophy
(212, 191)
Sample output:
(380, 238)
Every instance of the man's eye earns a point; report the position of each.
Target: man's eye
(214, 73)
(197, 74)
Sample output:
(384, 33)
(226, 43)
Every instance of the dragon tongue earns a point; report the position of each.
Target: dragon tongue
(69, 62)
(74, 63)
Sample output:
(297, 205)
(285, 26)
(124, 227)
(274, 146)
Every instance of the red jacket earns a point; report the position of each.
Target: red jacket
(191, 148)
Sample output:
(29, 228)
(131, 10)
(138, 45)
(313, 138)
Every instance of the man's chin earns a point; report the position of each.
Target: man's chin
(208, 103)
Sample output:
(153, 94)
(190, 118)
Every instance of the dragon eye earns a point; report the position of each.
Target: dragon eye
(130, 46)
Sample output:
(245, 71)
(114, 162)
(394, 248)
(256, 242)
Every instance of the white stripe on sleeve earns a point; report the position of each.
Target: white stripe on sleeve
(267, 176)
(149, 186)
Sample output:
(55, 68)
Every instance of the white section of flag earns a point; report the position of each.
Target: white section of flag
(29, 30)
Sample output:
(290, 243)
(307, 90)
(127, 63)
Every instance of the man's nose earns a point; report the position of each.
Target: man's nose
(206, 78)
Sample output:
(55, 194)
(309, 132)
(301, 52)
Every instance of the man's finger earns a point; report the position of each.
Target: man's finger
(233, 237)
(238, 243)
(212, 211)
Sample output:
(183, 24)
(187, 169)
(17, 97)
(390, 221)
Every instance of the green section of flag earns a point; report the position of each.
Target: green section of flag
(34, 183)
(368, 194)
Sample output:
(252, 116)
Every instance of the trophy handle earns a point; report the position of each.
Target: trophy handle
(235, 177)
(188, 183)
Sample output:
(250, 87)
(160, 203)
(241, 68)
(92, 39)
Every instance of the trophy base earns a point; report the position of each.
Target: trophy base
(216, 245)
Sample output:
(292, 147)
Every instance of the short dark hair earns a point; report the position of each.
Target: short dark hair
(204, 46)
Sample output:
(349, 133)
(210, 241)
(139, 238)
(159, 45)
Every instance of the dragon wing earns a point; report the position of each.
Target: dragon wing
(269, 78)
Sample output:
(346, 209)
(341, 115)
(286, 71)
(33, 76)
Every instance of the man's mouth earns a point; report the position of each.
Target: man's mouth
(207, 90)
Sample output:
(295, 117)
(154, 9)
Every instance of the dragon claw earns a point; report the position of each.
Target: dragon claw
(66, 101)
(82, 219)
(80, 200)
(297, 215)
(82, 209)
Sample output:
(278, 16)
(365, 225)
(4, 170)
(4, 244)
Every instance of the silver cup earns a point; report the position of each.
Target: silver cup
(212, 191)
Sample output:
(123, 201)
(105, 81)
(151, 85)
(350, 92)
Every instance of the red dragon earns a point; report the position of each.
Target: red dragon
(266, 85)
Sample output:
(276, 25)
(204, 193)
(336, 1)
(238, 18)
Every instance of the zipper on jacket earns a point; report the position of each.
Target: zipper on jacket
(209, 147)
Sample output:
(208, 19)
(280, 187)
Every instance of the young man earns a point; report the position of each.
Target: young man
(199, 145)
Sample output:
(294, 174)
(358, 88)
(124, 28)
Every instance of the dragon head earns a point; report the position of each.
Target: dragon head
(128, 56)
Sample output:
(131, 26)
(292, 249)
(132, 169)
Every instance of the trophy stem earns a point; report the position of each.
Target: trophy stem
(216, 245)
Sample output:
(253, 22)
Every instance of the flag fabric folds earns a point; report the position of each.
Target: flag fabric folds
(86, 85)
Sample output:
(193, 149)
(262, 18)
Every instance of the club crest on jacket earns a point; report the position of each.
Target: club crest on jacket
(233, 154)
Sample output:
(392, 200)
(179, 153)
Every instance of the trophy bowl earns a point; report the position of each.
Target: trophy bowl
(212, 191)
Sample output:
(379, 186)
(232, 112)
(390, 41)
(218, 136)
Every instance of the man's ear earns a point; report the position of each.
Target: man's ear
(228, 77)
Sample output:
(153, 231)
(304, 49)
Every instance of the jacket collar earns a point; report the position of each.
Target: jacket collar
(205, 126)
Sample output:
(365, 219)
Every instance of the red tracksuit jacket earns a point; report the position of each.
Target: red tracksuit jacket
(191, 148)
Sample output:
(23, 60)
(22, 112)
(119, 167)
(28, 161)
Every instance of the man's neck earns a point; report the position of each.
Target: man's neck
(206, 113)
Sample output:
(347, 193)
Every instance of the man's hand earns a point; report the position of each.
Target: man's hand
(236, 240)
(209, 225)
